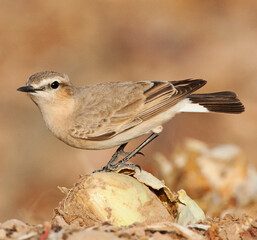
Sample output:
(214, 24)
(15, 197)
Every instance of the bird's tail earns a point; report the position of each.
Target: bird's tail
(224, 102)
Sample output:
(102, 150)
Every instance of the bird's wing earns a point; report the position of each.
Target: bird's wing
(163, 95)
(116, 107)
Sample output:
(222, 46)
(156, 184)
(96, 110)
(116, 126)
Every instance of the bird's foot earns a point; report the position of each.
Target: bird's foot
(120, 151)
(115, 167)
(122, 163)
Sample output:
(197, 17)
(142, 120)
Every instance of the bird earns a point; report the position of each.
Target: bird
(110, 114)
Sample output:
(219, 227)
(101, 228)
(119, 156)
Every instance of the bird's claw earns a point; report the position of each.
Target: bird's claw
(115, 167)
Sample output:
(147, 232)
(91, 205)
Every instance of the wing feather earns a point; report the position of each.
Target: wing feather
(168, 95)
(141, 101)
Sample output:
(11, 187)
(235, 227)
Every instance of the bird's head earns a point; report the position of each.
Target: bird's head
(48, 87)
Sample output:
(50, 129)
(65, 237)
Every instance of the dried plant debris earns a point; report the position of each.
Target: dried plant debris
(115, 198)
(229, 228)
(133, 204)
(123, 198)
(188, 210)
(218, 178)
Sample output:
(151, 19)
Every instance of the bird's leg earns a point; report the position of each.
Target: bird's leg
(115, 157)
(119, 151)
(112, 167)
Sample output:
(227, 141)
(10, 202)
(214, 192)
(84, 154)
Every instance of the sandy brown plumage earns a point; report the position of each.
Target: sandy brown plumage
(105, 115)
(123, 105)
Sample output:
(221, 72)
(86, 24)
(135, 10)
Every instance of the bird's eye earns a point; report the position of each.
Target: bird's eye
(55, 84)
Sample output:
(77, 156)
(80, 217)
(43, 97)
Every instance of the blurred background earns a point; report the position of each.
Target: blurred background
(98, 41)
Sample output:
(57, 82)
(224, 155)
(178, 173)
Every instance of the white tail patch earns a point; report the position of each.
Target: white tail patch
(188, 106)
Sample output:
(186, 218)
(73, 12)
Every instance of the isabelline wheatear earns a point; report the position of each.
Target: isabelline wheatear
(106, 115)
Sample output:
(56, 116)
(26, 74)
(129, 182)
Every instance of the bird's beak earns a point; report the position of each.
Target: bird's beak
(28, 89)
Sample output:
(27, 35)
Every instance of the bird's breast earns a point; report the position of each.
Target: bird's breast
(57, 117)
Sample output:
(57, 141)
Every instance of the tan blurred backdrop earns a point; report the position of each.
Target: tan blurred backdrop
(97, 41)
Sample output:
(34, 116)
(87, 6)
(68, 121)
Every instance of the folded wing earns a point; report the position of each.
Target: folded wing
(128, 104)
